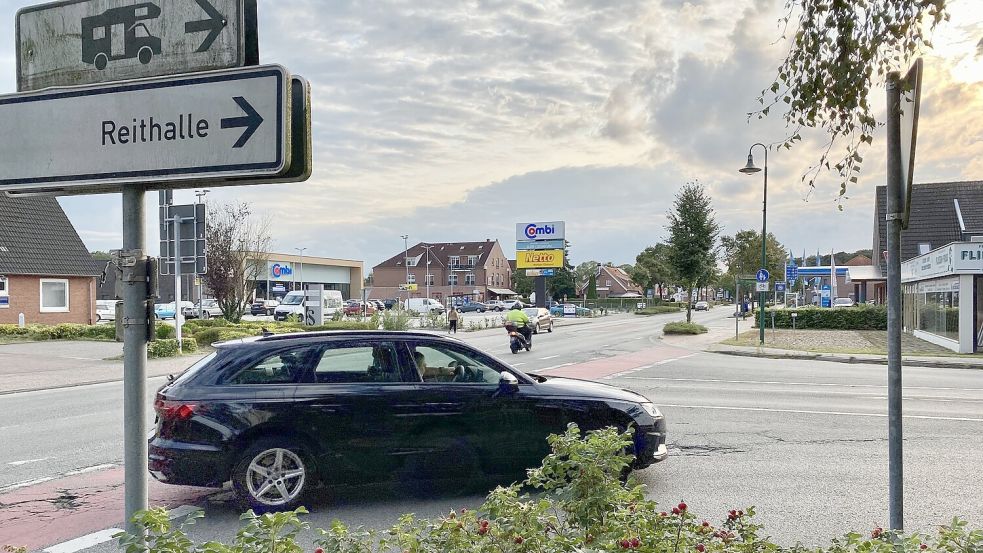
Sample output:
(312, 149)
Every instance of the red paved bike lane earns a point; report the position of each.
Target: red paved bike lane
(608, 366)
(63, 509)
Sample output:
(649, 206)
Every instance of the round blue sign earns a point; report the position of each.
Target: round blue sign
(763, 275)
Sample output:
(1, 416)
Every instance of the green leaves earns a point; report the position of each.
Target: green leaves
(841, 53)
(693, 235)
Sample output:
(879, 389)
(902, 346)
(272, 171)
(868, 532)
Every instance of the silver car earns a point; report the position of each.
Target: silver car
(539, 319)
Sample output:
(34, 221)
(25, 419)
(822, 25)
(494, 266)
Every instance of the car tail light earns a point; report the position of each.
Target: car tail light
(169, 410)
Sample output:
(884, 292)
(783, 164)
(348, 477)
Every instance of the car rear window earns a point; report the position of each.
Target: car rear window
(196, 368)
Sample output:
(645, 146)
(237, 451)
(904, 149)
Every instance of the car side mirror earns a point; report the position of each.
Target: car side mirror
(508, 382)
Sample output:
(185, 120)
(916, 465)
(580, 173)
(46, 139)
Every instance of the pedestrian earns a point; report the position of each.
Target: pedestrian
(452, 318)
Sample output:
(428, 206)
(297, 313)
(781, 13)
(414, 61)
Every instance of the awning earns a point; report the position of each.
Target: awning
(502, 292)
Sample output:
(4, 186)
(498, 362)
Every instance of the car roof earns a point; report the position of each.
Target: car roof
(301, 337)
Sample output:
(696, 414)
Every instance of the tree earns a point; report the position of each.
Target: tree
(99, 255)
(840, 51)
(692, 239)
(584, 271)
(592, 287)
(237, 246)
(564, 283)
(652, 270)
(742, 254)
(522, 284)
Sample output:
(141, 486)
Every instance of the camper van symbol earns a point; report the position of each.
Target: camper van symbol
(120, 34)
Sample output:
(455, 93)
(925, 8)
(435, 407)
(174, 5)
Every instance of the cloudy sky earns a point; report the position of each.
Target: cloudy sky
(453, 120)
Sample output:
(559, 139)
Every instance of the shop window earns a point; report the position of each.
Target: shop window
(54, 296)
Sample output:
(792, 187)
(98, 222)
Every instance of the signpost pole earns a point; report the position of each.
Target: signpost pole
(176, 221)
(134, 357)
(894, 216)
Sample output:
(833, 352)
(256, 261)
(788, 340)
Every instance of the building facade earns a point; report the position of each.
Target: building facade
(46, 273)
(476, 271)
(943, 296)
(612, 282)
(284, 273)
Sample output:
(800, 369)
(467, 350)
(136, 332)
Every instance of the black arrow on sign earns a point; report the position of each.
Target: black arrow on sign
(252, 120)
(214, 25)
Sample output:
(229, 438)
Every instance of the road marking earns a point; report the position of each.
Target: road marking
(517, 364)
(27, 461)
(548, 358)
(643, 367)
(821, 384)
(93, 468)
(85, 542)
(20, 485)
(806, 412)
(557, 366)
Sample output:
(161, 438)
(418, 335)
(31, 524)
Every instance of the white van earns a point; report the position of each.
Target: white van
(424, 305)
(293, 304)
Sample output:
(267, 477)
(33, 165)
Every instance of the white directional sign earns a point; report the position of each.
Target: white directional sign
(761, 286)
(78, 42)
(207, 126)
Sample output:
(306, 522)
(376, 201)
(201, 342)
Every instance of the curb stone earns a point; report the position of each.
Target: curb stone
(843, 358)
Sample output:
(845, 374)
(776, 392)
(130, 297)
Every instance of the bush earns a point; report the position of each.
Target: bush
(100, 332)
(194, 325)
(863, 317)
(162, 348)
(682, 327)
(658, 310)
(189, 344)
(580, 505)
(396, 320)
(13, 331)
(165, 332)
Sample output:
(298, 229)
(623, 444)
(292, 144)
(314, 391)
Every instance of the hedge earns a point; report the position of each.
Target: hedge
(66, 331)
(658, 310)
(683, 327)
(867, 317)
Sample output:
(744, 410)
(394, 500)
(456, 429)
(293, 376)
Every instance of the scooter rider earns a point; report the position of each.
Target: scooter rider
(521, 321)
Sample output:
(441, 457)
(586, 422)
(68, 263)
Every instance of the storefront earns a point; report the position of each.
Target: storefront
(285, 273)
(943, 296)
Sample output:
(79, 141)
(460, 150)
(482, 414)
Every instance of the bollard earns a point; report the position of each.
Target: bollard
(20, 321)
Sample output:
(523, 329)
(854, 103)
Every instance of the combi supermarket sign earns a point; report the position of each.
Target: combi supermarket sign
(539, 259)
(551, 230)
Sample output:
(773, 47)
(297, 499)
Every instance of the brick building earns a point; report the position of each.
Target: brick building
(473, 270)
(612, 282)
(46, 272)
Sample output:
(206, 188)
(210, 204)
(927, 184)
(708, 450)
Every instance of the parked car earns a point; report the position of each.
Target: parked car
(263, 307)
(209, 308)
(472, 307)
(497, 305)
(391, 303)
(355, 307)
(539, 318)
(105, 310)
(293, 304)
(379, 305)
(280, 415)
(424, 305)
(562, 310)
(168, 310)
(702, 306)
(843, 302)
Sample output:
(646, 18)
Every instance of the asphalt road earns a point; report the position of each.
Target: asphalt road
(805, 442)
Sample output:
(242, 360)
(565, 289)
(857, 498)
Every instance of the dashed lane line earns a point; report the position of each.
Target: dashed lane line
(824, 413)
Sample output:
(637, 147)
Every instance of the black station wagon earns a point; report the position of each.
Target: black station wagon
(280, 415)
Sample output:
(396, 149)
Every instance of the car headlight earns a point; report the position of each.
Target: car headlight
(651, 409)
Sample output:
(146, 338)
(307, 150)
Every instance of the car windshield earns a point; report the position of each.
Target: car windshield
(532, 312)
(292, 300)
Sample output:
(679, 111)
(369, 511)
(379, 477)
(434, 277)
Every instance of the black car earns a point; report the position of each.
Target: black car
(282, 414)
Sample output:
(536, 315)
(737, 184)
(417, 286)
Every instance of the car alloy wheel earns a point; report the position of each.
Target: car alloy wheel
(272, 477)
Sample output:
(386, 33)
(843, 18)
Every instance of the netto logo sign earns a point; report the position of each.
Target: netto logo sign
(280, 270)
(550, 230)
(539, 259)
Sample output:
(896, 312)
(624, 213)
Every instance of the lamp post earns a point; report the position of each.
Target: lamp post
(301, 250)
(751, 169)
(406, 264)
(427, 274)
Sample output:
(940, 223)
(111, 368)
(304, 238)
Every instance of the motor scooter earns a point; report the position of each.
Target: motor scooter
(517, 338)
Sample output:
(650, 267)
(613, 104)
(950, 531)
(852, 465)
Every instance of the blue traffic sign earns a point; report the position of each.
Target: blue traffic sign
(548, 272)
(763, 275)
(779, 286)
(791, 273)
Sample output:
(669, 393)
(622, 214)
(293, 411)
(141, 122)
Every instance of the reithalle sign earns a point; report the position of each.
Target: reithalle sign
(540, 259)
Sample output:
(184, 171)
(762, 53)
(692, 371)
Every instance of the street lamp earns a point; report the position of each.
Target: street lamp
(301, 250)
(406, 264)
(427, 275)
(750, 169)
